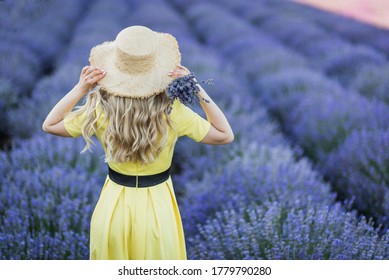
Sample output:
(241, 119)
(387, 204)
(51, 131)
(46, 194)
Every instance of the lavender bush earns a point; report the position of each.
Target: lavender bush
(183, 5)
(359, 170)
(285, 29)
(57, 21)
(266, 57)
(47, 195)
(285, 90)
(32, 33)
(42, 151)
(259, 174)
(41, 214)
(275, 232)
(320, 123)
(335, 57)
(352, 30)
(349, 29)
(236, 5)
(248, 129)
(19, 66)
(210, 24)
(145, 15)
(7, 93)
(51, 89)
(27, 118)
(344, 66)
(329, 123)
(371, 81)
(29, 46)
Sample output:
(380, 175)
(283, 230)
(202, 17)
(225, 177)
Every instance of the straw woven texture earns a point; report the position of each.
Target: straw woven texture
(137, 62)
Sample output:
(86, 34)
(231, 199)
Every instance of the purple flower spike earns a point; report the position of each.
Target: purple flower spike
(185, 89)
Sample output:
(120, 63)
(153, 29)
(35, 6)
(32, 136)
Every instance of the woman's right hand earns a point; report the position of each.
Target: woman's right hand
(89, 77)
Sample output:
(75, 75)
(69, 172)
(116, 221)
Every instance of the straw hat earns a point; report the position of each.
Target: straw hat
(137, 62)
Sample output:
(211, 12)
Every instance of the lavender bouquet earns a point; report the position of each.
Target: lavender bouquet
(185, 89)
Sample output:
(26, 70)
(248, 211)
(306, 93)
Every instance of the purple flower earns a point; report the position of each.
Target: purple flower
(271, 231)
(345, 64)
(364, 176)
(185, 89)
(372, 82)
(320, 123)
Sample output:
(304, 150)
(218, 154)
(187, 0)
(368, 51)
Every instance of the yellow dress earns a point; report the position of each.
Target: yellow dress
(141, 223)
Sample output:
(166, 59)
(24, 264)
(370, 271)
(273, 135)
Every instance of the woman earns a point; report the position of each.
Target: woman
(128, 110)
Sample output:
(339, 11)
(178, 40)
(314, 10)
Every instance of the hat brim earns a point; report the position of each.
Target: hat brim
(137, 84)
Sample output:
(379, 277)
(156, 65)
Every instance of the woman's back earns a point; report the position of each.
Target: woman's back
(184, 122)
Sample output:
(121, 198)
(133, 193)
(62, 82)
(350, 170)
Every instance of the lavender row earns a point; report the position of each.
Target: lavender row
(315, 111)
(321, 115)
(356, 66)
(49, 190)
(47, 196)
(33, 34)
(51, 88)
(356, 32)
(332, 55)
(336, 115)
(254, 179)
(352, 30)
(370, 80)
(275, 232)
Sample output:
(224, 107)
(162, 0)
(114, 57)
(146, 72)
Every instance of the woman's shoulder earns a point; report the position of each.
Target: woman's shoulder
(179, 110)
(179, 113)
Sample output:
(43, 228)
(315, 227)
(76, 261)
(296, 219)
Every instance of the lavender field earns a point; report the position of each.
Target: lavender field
(306, 93)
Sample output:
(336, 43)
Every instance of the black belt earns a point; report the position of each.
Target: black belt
(143, 180)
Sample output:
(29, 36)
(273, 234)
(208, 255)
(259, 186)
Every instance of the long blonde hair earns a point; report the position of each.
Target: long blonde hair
(137, 129)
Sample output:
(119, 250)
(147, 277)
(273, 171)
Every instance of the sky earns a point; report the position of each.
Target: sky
(372, 11)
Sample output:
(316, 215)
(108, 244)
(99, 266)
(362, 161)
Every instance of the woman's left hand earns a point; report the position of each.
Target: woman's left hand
(179, 71)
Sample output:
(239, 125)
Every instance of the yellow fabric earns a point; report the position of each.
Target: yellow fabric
(141, 223)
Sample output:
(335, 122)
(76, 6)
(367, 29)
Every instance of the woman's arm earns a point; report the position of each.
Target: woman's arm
(53, 123)
(220, 131)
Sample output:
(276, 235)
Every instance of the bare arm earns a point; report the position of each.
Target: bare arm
(53, 123)
(220, 131)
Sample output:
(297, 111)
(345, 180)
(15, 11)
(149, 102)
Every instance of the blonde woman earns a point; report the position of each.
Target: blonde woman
(137, 123)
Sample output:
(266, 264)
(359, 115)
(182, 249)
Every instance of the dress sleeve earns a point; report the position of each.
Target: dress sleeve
(189, 123)
(73, 124)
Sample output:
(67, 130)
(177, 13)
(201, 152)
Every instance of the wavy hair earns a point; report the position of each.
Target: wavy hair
(137, 129)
